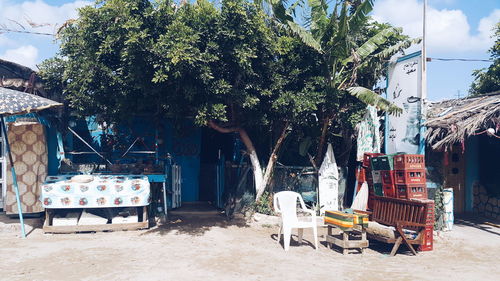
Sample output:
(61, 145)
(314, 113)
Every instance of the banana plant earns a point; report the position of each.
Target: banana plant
(331, 34)
(333, 29)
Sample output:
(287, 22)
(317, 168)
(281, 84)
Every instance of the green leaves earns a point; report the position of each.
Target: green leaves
(360, 16)
(370, 97)
(305, 35)
(371, 45)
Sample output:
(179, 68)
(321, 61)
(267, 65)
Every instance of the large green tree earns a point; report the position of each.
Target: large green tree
(223, 64)
(229, 66)
(488, 81)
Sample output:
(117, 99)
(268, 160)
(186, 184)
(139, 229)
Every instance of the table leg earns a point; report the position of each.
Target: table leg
(345, 238)
(164, 198)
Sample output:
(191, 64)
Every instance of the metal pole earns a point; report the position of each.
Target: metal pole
(423, 85)
(14, 177)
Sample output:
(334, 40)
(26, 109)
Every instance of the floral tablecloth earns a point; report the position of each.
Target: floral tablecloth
(102, 192)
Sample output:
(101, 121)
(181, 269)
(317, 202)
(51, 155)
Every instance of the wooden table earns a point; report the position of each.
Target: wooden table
(347, 231)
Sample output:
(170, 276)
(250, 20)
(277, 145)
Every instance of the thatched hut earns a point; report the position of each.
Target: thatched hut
(465, 135)
(20, 77)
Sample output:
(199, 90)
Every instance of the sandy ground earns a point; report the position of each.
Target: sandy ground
(212, 248)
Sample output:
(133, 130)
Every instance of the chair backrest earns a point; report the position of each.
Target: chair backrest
(388, 211)
(285, 203)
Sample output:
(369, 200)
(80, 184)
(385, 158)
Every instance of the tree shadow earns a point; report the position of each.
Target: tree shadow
(386, 248)
(294, 241)
(481, 223)
(195, 225)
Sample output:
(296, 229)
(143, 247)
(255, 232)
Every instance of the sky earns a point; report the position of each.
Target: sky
(455, 29)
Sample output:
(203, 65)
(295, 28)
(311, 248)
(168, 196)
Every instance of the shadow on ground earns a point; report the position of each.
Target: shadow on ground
(195, 219)
(481, 223)
(10, 223)
(294, 241)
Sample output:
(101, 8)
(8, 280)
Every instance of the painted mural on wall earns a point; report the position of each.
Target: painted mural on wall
(404, 90)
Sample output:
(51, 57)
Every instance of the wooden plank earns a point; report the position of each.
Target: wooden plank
(95, 228)
(349, 244)
(49, 228)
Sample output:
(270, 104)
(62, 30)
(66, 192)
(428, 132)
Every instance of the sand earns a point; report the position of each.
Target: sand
(212, 248)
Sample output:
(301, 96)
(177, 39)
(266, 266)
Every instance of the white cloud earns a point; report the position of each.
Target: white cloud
(5, 41)
(38, 12)
(447, 30)
(25, 55)
(18, 47)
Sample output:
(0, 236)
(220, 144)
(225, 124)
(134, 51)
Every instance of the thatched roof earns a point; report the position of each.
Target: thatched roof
(452, 121)
(19, 77)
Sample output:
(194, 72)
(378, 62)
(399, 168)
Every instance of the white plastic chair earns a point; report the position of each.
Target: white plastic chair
(285, 204)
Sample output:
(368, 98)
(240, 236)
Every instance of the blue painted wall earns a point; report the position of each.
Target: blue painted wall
(184, 143)
(53, 167)
(182, 139)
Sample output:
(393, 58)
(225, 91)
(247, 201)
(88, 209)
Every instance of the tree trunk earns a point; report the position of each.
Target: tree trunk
(273, 158)
(322, 140)
(261, 180)
(252, 153)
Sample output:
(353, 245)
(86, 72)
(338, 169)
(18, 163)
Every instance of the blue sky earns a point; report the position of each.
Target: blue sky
(456, 29)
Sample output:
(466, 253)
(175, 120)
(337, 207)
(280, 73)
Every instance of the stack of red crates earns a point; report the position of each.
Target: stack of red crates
(409, 176)
(366, 171)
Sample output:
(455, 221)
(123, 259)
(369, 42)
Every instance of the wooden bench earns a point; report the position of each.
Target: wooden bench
(404, 215)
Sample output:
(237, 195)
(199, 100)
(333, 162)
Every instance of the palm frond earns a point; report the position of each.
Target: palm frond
(332, 26)
(343, 22)
(279, 11)
(361, 14)
(388, 52)
(368, 96)
(319, 17)
(372, 44)
(305, 36)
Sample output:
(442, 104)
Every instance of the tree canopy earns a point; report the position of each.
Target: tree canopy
(229, 65)
(488, 81)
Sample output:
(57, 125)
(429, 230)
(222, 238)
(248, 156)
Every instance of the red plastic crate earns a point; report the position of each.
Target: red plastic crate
(376, 176)
(410, 176)
(387, 177)
(428, 239)
(409, 161)
(369, 182)
(411, 191)
(368, 174)
(389, 190)
(368, 156)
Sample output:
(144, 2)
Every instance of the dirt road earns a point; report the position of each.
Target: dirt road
(214, 249)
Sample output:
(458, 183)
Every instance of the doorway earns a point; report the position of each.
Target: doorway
(455, 177)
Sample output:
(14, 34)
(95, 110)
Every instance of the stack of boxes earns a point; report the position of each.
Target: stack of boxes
(383, 169)
(373, 182)
(400, 176)
(410, 176)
